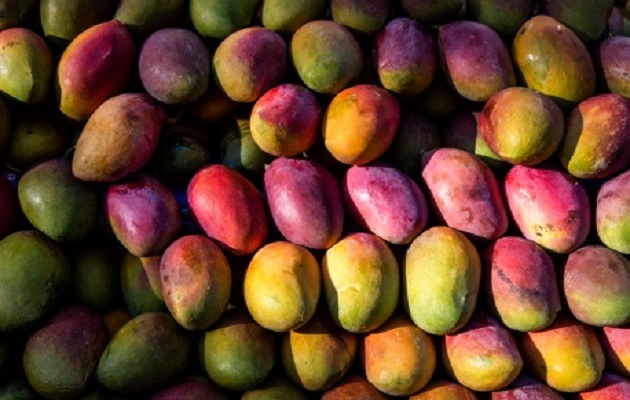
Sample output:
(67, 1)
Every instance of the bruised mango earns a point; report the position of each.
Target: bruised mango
(612, 213)
(441, 278)
(287, 16)
(503, 16)
(218, 19)
(353, 387)
(142, 17)
(360, 16)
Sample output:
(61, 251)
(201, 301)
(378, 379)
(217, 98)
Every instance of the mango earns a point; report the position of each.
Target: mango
(474, 59)
(416, 135)
(522, 126)
(611, 386)
(615, 341)
(483, 355)
(140, 283)
(550, 58)
(229, 209)
(143, 214)
(353, 387)
(326, 57)
(443, 389)
(441, 278)
(462, 132)
(196, 280)
(318, 355)
(145, 353)
(525, 385)
(431, 11)
(285, 121)
(385, 201)
(549, 207)
(94, 67)
(239, 150)
(17, 13)
(183, 149)
(64, 20)
(519, 282)
(612, 213)
(26, 66)
(586, 18)
(366, 113)
(398, 357)
(505, 17)
(34, 274)
(119, 138)
(596, 282)
(275, 387)
(141, 17)
(249, 62)
(94, 275)
(217, 19)
(361, 282)
(236, 353)
(406, 56)
(116, 319)
(359, 16)
(18, 388)
(597, 131)
(9, 206)
(566, 355)
(60, 357)
(464, 193)
(305, 202)
(611, 58)
(287, 16)
(192, 387)
(282, 286)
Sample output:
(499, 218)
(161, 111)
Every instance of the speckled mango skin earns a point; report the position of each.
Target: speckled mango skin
(596, 282)
(441, 278)
(474, 59)
(566, 355)
(249, 62)
(353, 387)
(520, 283)
(360, 123)
(615, 341)
(550, 58)
(196, 281)
(398, 358)
(282, 286)
(611, 386)
(612, 59)
(464, 193)
(483, 355)
(597, 137)
(94, 67)
(361, 282)
(442, 389)
(549, 207)
(612, 213)
(406, 57)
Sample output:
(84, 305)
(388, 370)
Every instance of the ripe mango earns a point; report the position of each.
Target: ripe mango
(141, 17)
(275, 387)
(464, 193)
(353, 387)
(588, 19)
(525, 385)
(94, 67)
(196, 281)
(443, 389)
(612, 213)
(610, 386)
(140, 283)
(361, 282)
(305, 202)
(218, 19)
(34, 274)
(503, 16)
(363, 17)
(612, 59)
(191, 387)
(441, 278)
(287, 16)
(615, 342)
(432, 11)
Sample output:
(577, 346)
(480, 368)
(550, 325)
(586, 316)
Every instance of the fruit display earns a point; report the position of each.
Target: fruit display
(315, 199)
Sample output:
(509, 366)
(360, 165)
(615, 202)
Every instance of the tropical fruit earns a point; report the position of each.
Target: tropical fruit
(140, 284)
(217, 19)
(353, 387)
(287, 16)
(586, 18)
(612, 212)
(505, 17)
(275, 387)
(365, 18)
(142, 17)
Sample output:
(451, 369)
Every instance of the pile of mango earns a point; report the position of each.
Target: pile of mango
(343, 199)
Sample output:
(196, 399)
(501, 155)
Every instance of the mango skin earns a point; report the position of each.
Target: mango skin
(449, 267)
(549, 207)
(249, 62)
(326, 56)
(305, 202)
(503, 16)
(26, 66)
(360, 123)
(406, 57)
(464, 193)
(196, 281)
(60, 357)
(141, 19)
(615, 342)
(229, 209)
(361, 282)
(193, 387)
(287, 16)
(596, 282)
(612, 213)
(442, 389)
(611, 386)
(525, 385)
(239, 150)
(353, 387)
(359, 16)
(586, 18)
(94, 67)
(275, 387)
(550, 58)
(474, 59)
(141, 285)
(612, 59)
(520, 283)
(282, 286)
(522, 126)
(143, 214)
(119, 138)
(597, 134)
(385, 201)
(566, 355)
(217, 19)
(9, 206)
(398, 358)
